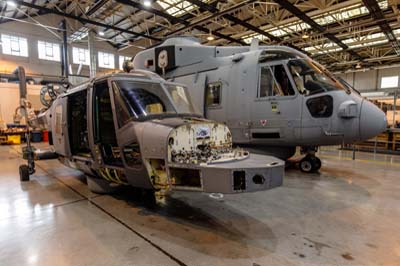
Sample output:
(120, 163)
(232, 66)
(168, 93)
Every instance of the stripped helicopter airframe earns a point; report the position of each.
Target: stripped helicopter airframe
(137, 129)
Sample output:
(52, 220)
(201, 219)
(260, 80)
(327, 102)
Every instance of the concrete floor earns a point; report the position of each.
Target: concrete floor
(348, 214)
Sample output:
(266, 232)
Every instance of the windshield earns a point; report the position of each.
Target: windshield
(311, 79)
(142, 99)
(347, 85)
(181, 99)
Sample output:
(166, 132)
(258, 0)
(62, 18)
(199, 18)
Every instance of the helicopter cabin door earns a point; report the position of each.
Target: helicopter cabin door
(277, 107)
(105, 140)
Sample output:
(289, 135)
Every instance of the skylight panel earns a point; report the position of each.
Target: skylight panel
(323, 20)
(177, 7)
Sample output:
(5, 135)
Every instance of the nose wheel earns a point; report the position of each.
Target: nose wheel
(310, 164)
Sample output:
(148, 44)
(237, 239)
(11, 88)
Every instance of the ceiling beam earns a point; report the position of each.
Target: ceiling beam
(25, 16)
(14, 15)
(3, 10)
(176, 20)
(215, 10)
(303, 16)
(96, 6)
(83, 20)
(377, 13)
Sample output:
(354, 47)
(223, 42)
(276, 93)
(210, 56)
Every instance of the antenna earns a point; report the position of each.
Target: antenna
(254, 44)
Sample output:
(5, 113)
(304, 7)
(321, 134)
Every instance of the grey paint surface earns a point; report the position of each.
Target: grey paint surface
(237, 68)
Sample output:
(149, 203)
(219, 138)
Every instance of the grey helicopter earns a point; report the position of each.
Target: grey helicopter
(273, 98)
(137, 129)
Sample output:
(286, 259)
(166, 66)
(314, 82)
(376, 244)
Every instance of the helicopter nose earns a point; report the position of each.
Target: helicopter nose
(372, 120)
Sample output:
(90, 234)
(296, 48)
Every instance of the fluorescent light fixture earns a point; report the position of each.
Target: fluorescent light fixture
(305, 36)
(210, 37)
(101, 33)
(373, 94)
(11, 3)
(147, 3)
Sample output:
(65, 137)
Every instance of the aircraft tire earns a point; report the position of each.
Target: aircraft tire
(23, 173)
(316, 164)
(306, 165)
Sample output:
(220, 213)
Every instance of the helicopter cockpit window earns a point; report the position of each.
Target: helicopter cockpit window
(321, 106)
(311, 79)
(181, 98)
(213, 94)
(140, 99)
(274, 81)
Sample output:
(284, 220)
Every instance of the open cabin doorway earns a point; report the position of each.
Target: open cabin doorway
(78, 130)
(104, 129)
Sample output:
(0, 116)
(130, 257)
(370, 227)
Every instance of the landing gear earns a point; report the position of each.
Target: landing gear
(28, 154)
(310, 163)
(23, 173)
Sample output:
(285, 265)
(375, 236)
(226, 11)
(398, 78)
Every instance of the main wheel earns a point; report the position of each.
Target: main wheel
(316, 164)
(306, 165)
(23, 173)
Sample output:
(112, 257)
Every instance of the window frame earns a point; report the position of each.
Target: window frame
(215, 106)
(79, 53)
(388, 87)
(103, 56)
(329, 108)
(16, 40)
(51, 45)
(289, 75)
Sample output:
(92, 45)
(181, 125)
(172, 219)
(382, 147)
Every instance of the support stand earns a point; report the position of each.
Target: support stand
(25, 170)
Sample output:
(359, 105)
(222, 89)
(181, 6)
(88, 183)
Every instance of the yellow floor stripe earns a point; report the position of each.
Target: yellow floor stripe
(359, 160)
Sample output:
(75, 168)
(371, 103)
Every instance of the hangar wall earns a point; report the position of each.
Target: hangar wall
(369, 80)
(9, 99)
(34, 65)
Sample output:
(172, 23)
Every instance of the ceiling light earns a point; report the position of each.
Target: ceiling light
(358, 66)
(147, 3)
(305, 36)
(11, 3)
(101, 33)
(210, 37)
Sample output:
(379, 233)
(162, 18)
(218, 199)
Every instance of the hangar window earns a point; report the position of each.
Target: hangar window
(213, 94)
(80, 56)
(106, 60)
(274, 81)
(14, 45)
(49, 51)
(389, 82)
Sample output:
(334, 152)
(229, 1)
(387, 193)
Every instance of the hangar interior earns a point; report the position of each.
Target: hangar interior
(343, 213)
